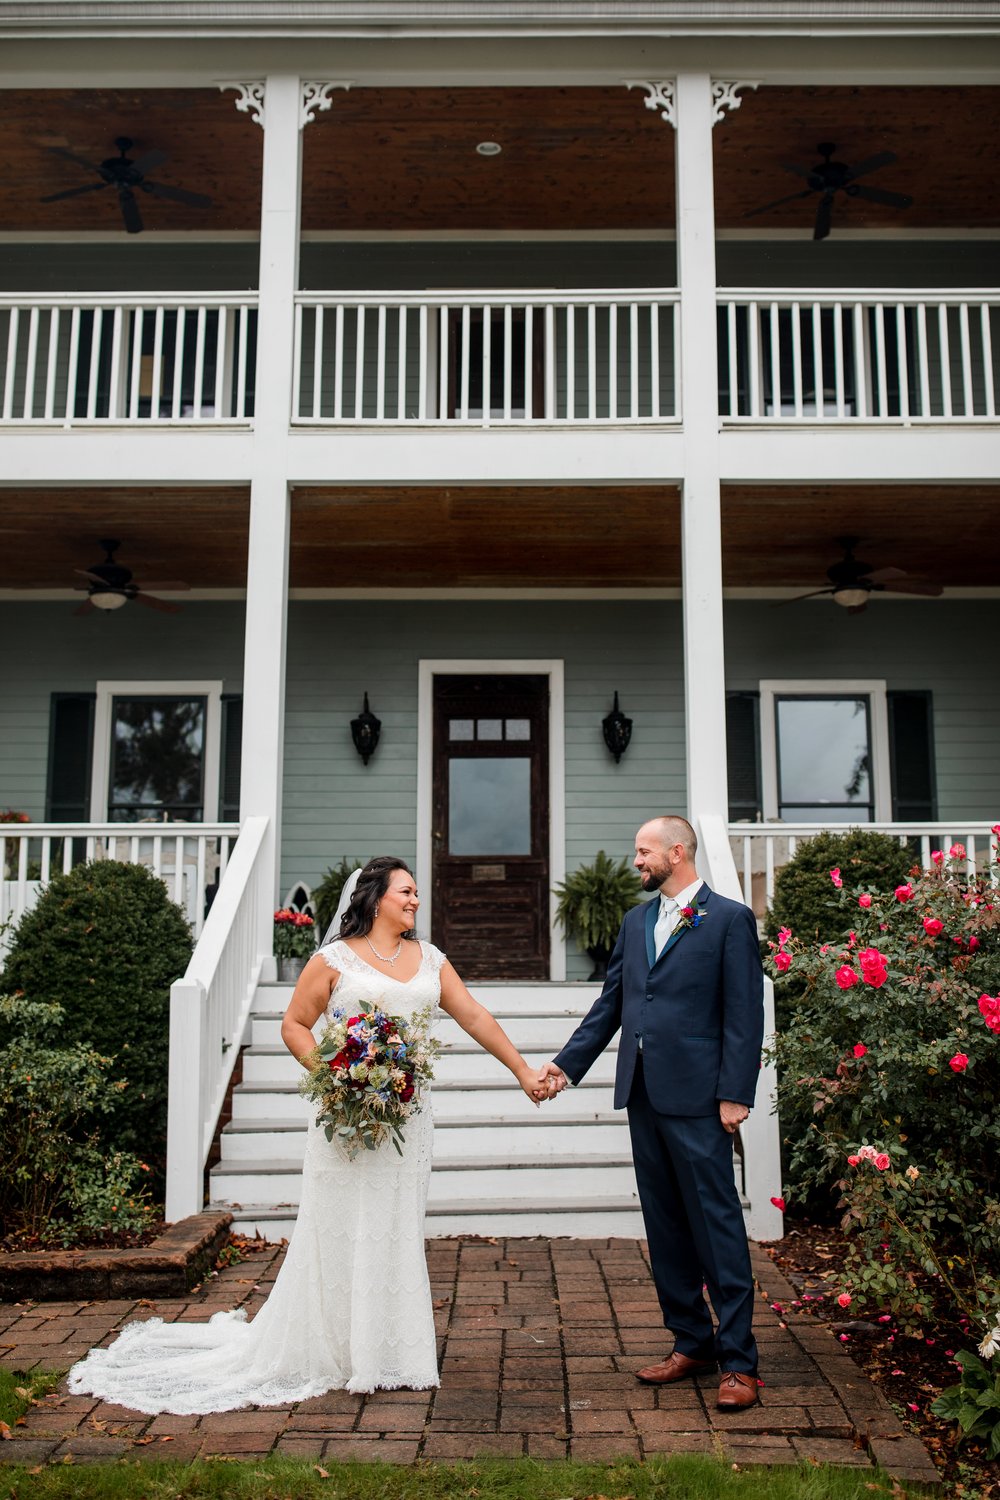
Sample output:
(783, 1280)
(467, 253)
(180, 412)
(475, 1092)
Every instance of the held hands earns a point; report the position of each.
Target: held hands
(542, 1083)
(732, 1115)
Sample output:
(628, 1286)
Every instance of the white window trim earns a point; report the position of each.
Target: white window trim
(873, 688)
(100, 775)
(496, 667)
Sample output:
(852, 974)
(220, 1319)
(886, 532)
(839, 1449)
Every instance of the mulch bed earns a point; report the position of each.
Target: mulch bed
(167, 1266)
(20, 1244)
(911, 1370)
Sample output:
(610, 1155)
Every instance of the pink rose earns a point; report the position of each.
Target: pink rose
(867, 1153)
(995, 830)
(959, 1063)
(852, 1161)
(938, 856)
(904, 892)
(973, 944)
(779, 1204)
(835, 877)
(846, 977)
(989, 1009)
(860, 1050)
(933, 926)
(865, 901)
(882, 1162)
(874, 968)
(784, 934)
(782, 962)
(825, 948)
(844, 1300)
(957, 851)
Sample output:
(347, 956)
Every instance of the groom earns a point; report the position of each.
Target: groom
(685, 987)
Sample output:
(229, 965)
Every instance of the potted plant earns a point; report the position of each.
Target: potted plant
(592, 903)
(294, 941)
(326, 895)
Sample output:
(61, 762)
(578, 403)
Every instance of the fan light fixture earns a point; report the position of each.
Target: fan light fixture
(617, 731)
(489, 148)
(850, 598)
(365, 731)
(109, 600)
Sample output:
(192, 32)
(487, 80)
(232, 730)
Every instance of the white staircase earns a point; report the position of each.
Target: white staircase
(501, 1166)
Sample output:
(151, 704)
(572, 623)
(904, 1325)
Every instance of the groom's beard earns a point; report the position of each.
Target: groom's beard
(652, 877)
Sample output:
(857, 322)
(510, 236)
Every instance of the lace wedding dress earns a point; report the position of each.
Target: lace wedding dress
(351, 1307)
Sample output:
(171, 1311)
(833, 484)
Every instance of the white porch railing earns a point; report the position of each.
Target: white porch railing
(75, 358)
(759, 1134)
(208, 1015)
(487, 358)
(888, 356)
(760, 849)
(188, 857)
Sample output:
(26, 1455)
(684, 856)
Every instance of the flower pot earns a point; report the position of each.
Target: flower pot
(289, 969)
(599, 958)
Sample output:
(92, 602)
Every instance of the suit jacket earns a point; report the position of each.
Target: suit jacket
(699, 1009)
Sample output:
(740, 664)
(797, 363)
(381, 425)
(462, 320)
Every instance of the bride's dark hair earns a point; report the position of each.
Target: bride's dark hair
(373, 882)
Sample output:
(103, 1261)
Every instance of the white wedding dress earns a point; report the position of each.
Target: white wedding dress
(351, 1307)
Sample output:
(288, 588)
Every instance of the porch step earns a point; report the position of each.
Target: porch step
(547, 1135)
(487, 1099)
(460, 1062)
(548, 1031)
(603, 1218)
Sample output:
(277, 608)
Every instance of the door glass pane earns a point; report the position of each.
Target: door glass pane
(489, 729)
(824, 759)
(157, 759)
(489, 802)
(461, 729)
(518, 729)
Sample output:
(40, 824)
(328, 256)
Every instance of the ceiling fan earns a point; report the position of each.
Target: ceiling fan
(852, 581)
(830, 177)
(110, 585)
(126, 177)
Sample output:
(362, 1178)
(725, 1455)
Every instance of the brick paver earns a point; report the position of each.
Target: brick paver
(539, 1343)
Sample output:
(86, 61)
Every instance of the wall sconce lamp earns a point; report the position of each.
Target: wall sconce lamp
(617, 731)
(365, 730)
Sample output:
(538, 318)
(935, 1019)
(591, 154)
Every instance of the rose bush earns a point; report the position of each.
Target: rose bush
(889, 1073)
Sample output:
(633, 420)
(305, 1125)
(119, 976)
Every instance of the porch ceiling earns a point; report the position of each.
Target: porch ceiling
(482, 537)
(195, 536)
(786, 537)
(572, 158)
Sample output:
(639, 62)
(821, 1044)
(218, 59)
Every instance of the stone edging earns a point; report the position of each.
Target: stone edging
(176, 1261)
(877, 1428)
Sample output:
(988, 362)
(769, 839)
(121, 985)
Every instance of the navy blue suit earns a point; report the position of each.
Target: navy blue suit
(692, 1027)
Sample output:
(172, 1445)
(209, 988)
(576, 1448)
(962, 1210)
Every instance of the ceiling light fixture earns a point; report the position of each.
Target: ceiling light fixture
(850, 598)
(489, 148)
(110, 599)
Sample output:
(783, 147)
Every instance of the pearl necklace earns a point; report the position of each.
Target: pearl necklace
(383, 957)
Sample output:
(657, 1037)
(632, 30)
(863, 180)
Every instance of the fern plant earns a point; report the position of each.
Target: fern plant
(592, 903)
(326, 895)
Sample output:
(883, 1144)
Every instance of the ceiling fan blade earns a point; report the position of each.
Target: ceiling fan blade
(786, 166)
(814, 594)
(789, 198)
(94, 577)
(930, 590)
(86, 608)
(870, 164)
(81, 161)
(176, 195)
(876, 195)
(883, 575)
(823, 215)
(89, 187)
(151, 602)
(130, 211)
(150, 161)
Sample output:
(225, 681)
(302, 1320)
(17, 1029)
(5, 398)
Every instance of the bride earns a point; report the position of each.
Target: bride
(351, 1307)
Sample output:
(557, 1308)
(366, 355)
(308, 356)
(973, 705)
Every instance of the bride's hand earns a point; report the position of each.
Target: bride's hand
(533, 1083)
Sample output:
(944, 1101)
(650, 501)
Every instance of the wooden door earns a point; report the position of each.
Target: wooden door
(490, 825)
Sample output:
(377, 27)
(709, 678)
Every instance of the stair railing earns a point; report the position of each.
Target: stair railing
(209, 1008)
(760, 1134)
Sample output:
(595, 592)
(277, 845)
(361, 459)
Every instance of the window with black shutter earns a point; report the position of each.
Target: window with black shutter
(911, 754)
(743, 754)
(71, 751)
(232, 747)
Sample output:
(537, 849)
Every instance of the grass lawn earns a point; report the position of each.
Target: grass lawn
(680, 1478)
(17, 1393)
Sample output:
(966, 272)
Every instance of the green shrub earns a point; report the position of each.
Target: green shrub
(326, 895)
(889, 1072)
(105, 943)
(803, 895)
(594, 899)
(59, 1184)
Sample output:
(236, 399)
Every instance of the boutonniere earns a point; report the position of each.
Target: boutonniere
(689, 917)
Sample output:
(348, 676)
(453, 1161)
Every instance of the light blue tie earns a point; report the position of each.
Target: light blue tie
(665, 923)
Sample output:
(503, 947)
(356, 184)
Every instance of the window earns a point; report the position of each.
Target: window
(156, 752)
(825, 752)
(743, 755)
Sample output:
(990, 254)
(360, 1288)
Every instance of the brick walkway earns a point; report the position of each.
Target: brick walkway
(539, 1341)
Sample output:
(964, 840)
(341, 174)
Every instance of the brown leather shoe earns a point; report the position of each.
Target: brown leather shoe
(737, 1391)
(677, 1367)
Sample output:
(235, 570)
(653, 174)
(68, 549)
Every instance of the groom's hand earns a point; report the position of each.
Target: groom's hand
(732, 1115)
(553, 1078)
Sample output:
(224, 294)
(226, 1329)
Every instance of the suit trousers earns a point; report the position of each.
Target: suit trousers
(695, 1228)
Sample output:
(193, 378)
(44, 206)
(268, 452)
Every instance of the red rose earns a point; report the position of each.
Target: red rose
(989, 1009)
(835, 877)
(957, 851)
(845, 977)
(687, 911)
(874, 969)
(782, 962)
(860, 1050)
(959, 1062)
(904, 892)
(938, 856)
(973, 944)
(933, 926)
(407, 1093)
(784, 936)
(340, 1061)
(779, 1204)
(844, 1300)
(852, 1161)
(865, 901)
(882, 1162)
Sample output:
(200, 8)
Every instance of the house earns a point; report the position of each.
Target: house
(470, 365)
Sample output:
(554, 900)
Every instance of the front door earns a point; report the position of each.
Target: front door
(491, 825)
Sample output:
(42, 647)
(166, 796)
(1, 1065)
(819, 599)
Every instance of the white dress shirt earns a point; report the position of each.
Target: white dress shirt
(670, 907)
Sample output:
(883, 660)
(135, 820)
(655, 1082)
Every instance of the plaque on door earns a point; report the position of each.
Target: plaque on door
(489, 872)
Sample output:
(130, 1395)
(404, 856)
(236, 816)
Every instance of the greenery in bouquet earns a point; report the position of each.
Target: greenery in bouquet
(366, 1074)
(294, 934)
(889, 1071)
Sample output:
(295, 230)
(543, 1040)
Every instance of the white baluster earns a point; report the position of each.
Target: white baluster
(298, 355)
(592, 361)
(968, 402)
(199, 362)
(944, 340)
(633, 374)
(984, 324)
(613, 361)
(50, 364)
(466, 361)
(508, 360)
(401, 364)
(10, 370)
(241, 365)
(880, 365)
(157, 382)
(422, 358)
(923, 361)
(115, 391)
(487, 364)
(796, 361)
(654, 360)
(380, 362)
(775, 323)
(177, 394)
(338, 364)
(732, 363)
(359, 364)
(902, 363)
(753, 328)
(529, 363)
(860, 367)
(838, 359)
(28, 406)
(818, 380)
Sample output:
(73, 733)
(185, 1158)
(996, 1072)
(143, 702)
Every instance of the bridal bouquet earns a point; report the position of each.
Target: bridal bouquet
(366, 1073)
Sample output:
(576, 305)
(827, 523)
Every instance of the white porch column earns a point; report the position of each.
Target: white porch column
(267, 559)
(701, 527)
